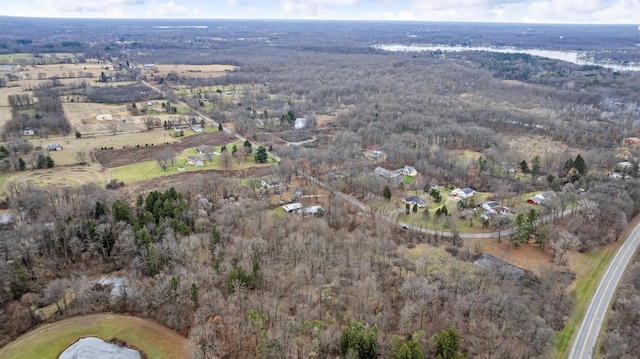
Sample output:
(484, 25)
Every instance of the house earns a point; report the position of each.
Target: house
(195, 161)
(375, 154)
(409, 171)
(411, 200)
(292, 206)
(489, 206)
(54, 147)
(300, 123)
(463, 193)
(389, 176)
(196, 128)
(269, 183)
(541, 197)
(148, 66)
(28, 132)
(313, 210)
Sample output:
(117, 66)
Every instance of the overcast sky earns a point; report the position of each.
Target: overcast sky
(532, 11)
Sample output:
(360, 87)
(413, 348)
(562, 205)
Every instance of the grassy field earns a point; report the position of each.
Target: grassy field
(589, 269)
(49, 340)
(55, 177)
(151, 169)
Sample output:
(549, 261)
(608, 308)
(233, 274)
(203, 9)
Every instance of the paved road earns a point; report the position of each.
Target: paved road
(587, 336)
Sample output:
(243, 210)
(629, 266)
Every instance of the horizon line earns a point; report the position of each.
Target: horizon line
(320, 20)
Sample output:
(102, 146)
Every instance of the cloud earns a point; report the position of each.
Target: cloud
(72, 6)
(168, 9)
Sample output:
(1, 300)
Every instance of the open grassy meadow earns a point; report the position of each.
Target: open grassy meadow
(49, 340)
(57, 177)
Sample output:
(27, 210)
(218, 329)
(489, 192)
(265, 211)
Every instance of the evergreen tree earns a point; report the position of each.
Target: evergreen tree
(386, 193)
(446, 344)
(360, 339)
(261, 155)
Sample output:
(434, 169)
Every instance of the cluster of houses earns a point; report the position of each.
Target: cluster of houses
(304, 211)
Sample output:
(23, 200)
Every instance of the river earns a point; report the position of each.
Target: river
(576, 57)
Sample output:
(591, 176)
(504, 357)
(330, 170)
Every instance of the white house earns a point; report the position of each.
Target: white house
(292, 206)
(409, 171)
(463, 193)
(28, 132)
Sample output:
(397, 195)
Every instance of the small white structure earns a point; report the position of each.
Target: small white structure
(300, 123)
(104, 117)
(196, 128)
(28, 132)
(292, 206)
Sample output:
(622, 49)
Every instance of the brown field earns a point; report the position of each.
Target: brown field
(195, 70)
(528, 146)
(62, 70)
(125, 156)
(61, 176)
(72, 145)
(82, 113)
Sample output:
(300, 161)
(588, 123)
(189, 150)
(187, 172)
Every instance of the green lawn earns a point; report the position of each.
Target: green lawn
(49, 340)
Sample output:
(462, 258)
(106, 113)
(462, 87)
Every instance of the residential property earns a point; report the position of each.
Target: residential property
(377, 155)
(313, 210)
(292, 206)
(269, 183)
(54, 147)
(389, 176)
(409, 171)
(28, 132)
(196, 128)
(541, 197)
(395, 176)
(411, 200)
(491, 208)
(195, 161)
(463, 193)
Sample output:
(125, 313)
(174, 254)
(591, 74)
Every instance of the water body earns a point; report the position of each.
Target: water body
(576, 57)
(96, 348)
(491, 263)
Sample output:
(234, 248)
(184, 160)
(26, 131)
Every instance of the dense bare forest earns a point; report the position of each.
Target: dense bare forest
(211, 259)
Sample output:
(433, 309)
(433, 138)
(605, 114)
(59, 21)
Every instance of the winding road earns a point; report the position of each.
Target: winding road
(586, 338)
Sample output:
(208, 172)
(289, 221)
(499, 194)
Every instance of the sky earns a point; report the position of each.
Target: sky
(521, 11)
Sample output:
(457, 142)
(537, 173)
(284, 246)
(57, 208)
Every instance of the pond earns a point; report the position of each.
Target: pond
(491, 263)
(96, 348)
